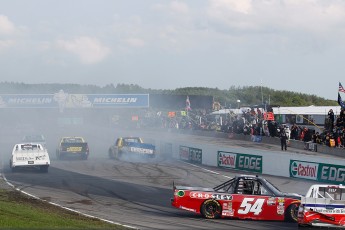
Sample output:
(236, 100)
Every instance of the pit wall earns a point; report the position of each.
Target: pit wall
(323, 169)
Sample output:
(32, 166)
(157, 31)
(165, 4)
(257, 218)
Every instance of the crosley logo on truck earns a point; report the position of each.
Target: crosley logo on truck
(304, 170)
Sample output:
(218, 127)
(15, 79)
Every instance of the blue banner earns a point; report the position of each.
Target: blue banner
(64, 100)
(27, 101)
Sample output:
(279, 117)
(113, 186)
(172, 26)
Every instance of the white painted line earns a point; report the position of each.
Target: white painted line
(207, 170)
(63, 207)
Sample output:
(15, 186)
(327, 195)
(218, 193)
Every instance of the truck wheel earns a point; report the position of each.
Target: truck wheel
(291, 213)
(13, 169)
(44, 168)
(84, 157)
(211, 209)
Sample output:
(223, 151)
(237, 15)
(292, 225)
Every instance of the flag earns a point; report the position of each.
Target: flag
(341, 88)
(188, 104)
(340, 101)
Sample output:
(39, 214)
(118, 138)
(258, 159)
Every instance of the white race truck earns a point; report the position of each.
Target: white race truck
(323, 206)
(29, 155)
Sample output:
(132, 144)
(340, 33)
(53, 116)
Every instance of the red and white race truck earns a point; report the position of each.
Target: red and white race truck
(29, 155)
(324, 206)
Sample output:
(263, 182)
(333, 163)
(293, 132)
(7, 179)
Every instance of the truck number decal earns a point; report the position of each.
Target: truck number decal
(74, 149)
(248, 205)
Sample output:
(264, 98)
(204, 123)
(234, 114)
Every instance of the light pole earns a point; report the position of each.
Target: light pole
(238, 103)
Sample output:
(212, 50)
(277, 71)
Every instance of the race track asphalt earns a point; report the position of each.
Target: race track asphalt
(134, 192)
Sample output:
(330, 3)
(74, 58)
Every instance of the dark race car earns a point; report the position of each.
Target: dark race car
(243, 197)
(131, 146)
(72, 146)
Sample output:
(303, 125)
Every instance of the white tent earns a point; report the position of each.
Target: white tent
(306, 110)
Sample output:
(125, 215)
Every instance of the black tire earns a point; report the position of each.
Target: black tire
(84, 156)
(13, 169)
(211, 209)
(44, 168)
(291, 213)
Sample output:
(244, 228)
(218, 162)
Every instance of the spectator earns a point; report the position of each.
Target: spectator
(294, 132)
(283, 139)
(331, 118)
(339, 122)
(307, 135)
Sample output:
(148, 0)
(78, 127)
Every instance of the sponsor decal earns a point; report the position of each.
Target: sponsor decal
(141, 150)
(328, 173)
(245, 162)
(215, 196)
(332, 173)
(304, 170)
(184, 153)
(271, 201)
(280, 211)
(227, 160)
(329, 211)
(190, 154)
(74, 149)
(24, 158)
(228, 212)
(249, 162)
(227, 206)
(180, 193)
(116, 100)
(188, 209)
(195, 155)
(64, 100)
(40, 158)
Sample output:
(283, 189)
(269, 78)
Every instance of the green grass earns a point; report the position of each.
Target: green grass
(18, 211)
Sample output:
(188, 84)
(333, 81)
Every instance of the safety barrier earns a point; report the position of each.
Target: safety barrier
(321, 167)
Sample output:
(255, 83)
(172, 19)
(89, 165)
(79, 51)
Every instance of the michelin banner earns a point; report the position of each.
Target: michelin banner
(64, 100)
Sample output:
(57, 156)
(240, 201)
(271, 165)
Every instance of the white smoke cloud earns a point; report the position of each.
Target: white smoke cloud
(89, 50)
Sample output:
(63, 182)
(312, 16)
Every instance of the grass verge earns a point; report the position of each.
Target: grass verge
(18, 211)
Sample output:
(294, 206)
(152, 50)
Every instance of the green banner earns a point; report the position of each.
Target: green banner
(239, 161)
(327, 173)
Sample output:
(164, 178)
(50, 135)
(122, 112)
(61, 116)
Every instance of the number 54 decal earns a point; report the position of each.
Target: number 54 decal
(249, 204)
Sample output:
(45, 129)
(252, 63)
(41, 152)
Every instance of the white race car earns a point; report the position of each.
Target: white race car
(324, 206)
(30, 155)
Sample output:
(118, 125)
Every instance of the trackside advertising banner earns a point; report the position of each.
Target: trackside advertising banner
(240, 161)
(321, 172)
(64, 100)
(190, 154)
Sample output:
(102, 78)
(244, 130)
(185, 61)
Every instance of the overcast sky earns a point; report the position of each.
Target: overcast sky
(294, 45)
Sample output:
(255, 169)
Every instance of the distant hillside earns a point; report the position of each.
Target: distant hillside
(250, 95)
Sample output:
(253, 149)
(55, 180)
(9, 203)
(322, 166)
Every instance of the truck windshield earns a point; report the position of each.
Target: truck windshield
(334, 193)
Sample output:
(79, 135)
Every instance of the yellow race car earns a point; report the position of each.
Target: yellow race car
(72, 146)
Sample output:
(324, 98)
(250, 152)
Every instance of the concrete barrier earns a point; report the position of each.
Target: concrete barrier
(317, 167)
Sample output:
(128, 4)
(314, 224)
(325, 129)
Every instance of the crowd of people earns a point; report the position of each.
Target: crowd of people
(252, 122)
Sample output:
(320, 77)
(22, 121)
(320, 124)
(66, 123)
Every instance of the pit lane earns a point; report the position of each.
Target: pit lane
(132, 192)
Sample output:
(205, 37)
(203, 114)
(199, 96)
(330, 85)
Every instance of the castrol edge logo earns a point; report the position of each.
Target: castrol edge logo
(305, 170)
